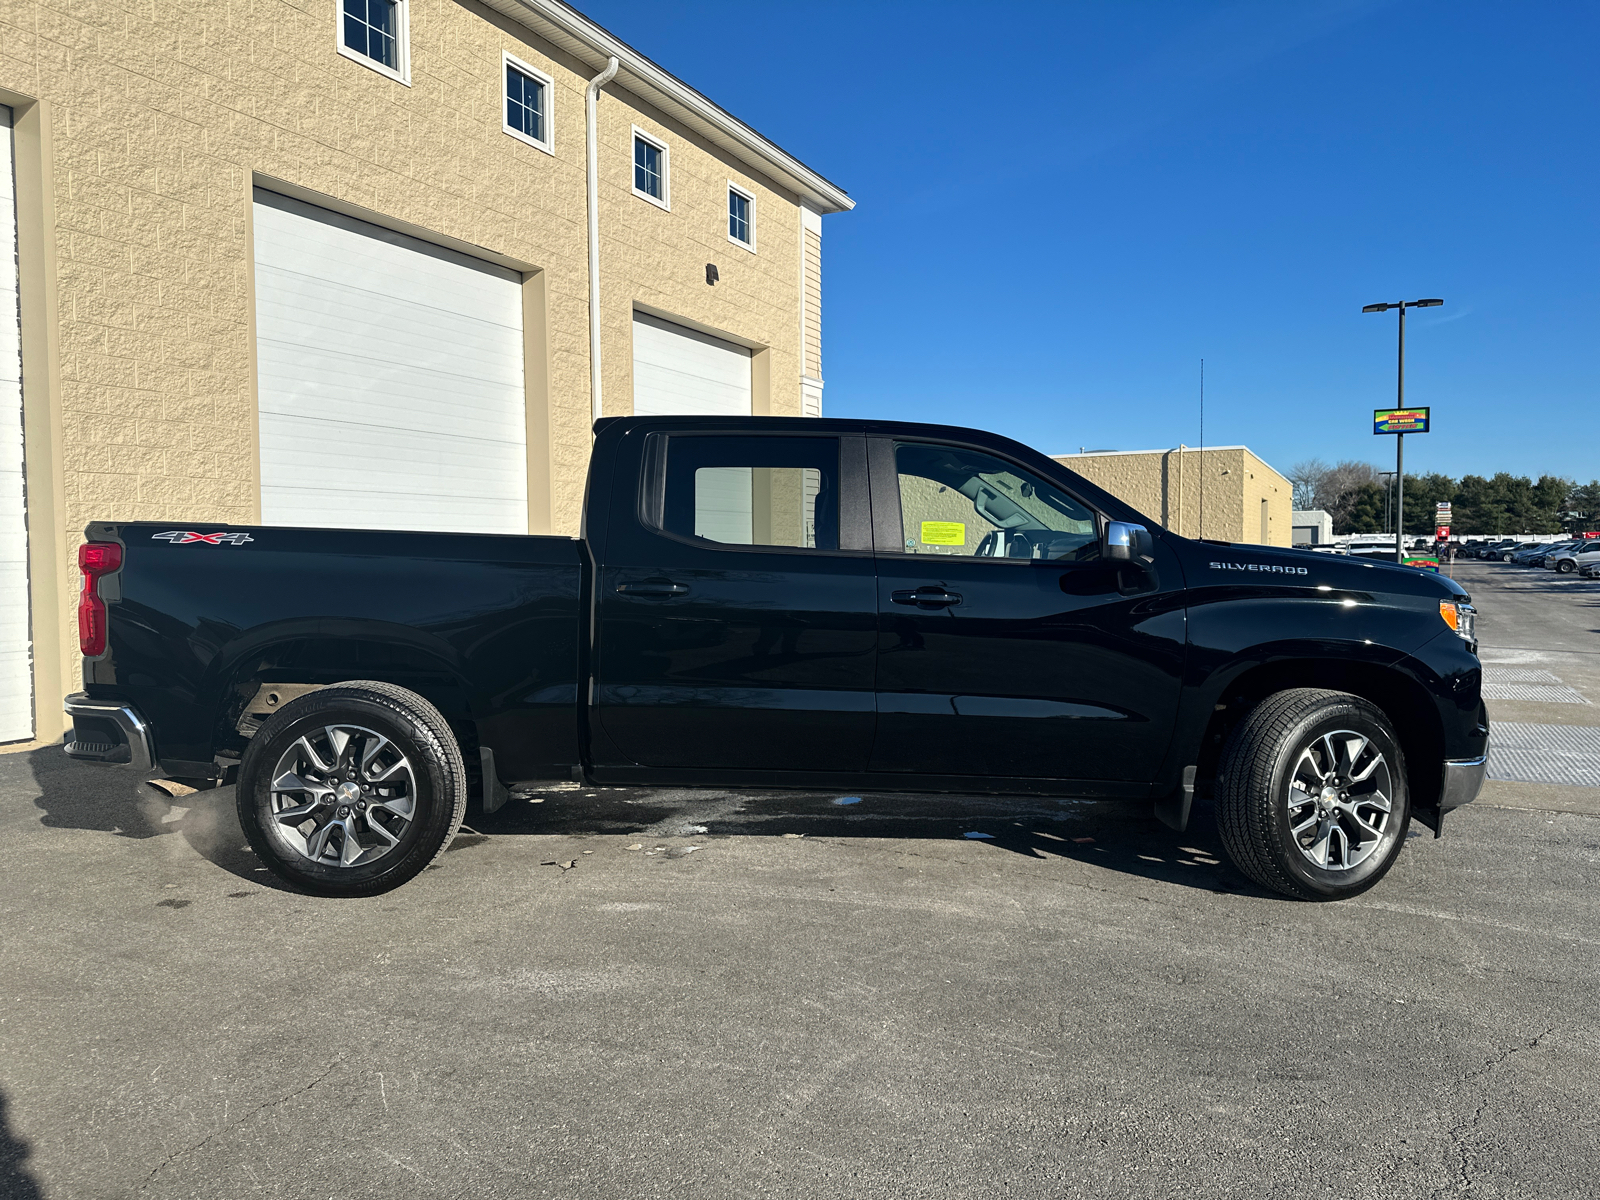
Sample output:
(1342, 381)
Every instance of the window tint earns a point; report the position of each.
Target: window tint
(647, 175)
(525, 104)
(961, 502)
(370, 28)
(753, 491)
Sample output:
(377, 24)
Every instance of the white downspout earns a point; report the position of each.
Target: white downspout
(591, 104)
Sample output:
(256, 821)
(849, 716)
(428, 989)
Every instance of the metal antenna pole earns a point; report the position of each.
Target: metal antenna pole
(1203, 448)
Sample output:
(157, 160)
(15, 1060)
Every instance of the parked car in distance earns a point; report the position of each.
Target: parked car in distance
(784, 602)
(1509, 554)
(1542, 557)
(1575, 556)
(1590, 570)
(1532, 555)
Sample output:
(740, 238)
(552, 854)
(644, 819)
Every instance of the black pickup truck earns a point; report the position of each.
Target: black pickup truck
(776, 602)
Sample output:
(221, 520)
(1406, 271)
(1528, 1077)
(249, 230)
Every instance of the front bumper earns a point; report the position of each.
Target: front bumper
(1463, 780)
(108, 731)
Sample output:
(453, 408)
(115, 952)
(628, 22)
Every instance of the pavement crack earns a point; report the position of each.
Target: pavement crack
(1461, 1133)
(215, 1133)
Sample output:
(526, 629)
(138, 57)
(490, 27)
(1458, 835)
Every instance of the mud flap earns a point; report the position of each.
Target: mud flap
(494, 792)
(1172, 809)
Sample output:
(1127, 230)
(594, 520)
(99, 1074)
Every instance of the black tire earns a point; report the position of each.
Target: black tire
(1566, 566)
(1281, 741)
(406, 753)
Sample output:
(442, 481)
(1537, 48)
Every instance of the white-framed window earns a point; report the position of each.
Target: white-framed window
(528, 95)
(741, 216)
(377, 34)
(652, 179)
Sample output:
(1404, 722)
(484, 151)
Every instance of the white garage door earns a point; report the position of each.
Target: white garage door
(390, 378)
(16, 651)
(679, 372)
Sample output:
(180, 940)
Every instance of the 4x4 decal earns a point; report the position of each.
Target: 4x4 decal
(179, 537)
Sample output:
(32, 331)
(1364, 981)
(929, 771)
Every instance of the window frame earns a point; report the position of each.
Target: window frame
(401, 72)
(854, 505)
(509, 61)
(888, 522)
(750, 198)
(664, 201)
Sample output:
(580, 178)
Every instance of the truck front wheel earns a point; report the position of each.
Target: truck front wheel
(1311, 794)
(353, 789)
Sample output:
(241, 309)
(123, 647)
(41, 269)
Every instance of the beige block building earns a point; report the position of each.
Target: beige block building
(328, 262)
(1221, 492)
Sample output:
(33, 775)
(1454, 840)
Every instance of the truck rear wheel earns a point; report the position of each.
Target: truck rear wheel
(1311, 794)
(353, 789)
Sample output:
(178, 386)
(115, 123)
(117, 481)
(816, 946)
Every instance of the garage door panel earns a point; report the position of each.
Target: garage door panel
(342, 320)
(369, 393)
(359, 254)
(16, 647)
(390, 378)
(364, 456)
(682, 372)
(372, 510)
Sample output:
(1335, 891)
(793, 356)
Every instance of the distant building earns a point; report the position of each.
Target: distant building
(1221, 492)
(1312, 527)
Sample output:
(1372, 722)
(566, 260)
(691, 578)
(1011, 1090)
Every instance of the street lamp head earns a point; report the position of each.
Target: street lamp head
(1376, 308)
(1428, 303)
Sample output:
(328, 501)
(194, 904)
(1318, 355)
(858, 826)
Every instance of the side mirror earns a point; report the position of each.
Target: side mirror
(1127, 543)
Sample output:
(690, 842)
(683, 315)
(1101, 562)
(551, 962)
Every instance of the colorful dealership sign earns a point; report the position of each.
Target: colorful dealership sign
(1400, 420)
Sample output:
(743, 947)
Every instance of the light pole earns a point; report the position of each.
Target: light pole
(1400, 402)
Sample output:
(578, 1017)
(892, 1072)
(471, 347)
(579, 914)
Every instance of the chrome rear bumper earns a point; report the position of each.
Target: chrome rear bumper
(108, 731)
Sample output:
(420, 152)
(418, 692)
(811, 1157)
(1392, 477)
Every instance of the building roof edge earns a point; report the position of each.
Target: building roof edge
(565, 27)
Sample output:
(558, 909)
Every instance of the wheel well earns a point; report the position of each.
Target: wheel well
(318, 662)
(1402, 700)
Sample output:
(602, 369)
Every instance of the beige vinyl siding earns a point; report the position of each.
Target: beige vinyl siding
(813, 286)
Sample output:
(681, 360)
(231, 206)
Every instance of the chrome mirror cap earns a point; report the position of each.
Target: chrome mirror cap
(1126, 542)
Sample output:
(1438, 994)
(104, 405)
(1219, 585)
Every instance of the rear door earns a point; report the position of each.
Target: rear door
(736, 609)
(1007, 646)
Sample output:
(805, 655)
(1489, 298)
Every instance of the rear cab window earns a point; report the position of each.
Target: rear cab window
(732, 491)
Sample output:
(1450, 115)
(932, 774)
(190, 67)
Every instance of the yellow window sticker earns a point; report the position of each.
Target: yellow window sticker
(944, 533)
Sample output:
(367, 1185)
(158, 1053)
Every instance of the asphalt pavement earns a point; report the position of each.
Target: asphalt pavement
(639, 993)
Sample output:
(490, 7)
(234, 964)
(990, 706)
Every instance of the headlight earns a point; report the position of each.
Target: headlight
(1461, 617)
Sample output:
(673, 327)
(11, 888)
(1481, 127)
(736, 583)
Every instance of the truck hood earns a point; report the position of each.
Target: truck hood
(1308, 568)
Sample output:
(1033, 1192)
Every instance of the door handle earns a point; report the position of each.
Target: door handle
(927, 597)
(657, 589)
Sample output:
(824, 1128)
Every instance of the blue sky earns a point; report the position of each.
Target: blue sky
(1063, 207)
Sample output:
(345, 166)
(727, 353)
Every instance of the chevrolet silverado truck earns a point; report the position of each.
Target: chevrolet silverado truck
(783, 602)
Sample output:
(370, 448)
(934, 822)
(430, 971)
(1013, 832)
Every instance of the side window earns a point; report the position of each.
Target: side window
(962, 502)
(753, 491)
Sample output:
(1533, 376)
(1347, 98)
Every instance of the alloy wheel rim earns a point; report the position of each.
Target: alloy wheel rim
(1340, 800)
(342, 796)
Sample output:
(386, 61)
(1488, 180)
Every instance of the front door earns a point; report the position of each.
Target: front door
(737, 614)
(1007, 646)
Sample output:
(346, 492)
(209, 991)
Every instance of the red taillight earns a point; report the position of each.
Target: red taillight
(94, 560)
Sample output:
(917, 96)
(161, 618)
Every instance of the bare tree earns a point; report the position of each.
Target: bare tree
(1341, 487)
(1307, 478)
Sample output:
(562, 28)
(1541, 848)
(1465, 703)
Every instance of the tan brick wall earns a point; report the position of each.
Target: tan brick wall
(163, 113)
(1166, 486)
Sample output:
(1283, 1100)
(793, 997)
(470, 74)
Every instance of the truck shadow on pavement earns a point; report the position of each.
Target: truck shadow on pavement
(16, 1183)
(1113, 836)
(78, 796)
